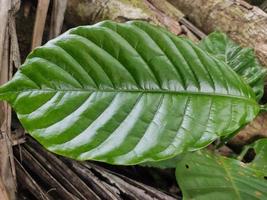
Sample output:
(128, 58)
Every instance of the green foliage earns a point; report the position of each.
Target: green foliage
(242, 60)
(164, 164)
(126, 94)
(202, 175)
(134, 93)
(260, 160)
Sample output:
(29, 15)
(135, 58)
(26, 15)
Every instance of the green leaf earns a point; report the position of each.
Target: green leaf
(202, 175)
(126, 94)
(260, 160)
(242, 60)
(163, 164)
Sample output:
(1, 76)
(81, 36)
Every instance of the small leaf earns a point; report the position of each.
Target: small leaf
(242, 60)
(126, 94)
(202, 175)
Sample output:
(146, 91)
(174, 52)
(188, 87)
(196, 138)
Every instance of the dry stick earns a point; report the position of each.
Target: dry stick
(7, 167)
(4, 8)
(106, 193)
(189, 34)
(39, 23)
(29, 183)
(123, 187)
(14, 61)
(3, 192)
(14, 46)
(60, 171)
(16, 142)
(59, 7)
(34, 166)
(113, 189)
(129, 187)
(59, 175)
(192, 28)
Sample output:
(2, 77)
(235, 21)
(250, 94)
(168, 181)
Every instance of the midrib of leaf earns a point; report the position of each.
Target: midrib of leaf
(230, 178)
(137, 91)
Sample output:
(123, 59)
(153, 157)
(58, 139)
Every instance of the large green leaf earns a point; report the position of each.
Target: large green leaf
(126, 93)
(202, 175)
(163, 164)
(242, 60)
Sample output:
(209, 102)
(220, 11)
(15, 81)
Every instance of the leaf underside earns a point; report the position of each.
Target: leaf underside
(126, 94)
(202, 175)
(242, 60)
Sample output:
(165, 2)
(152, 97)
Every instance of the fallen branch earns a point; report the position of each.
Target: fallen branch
(159, 12)
(245, 24)
(57, 18)
(253, 131)
(70, 179)
(60, 171)
(9, 57)
(39, 23)
(28, 183)
(36, 168)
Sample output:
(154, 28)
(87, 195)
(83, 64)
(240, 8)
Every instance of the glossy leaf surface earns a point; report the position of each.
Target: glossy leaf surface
(126, 94)
(242, 60)
(202, 175)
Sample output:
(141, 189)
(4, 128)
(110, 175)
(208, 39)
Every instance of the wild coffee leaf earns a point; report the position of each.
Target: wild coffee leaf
(127, 93)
